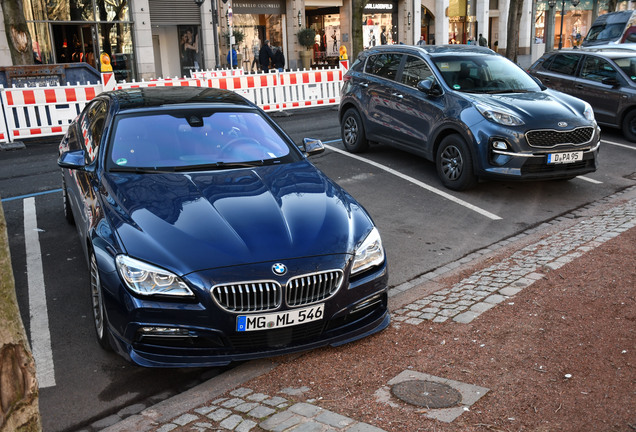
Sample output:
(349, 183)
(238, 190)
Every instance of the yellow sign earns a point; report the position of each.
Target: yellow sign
(104, 59)
(343, 53)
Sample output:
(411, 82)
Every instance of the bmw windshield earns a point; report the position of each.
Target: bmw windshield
(484, 74)
(182, 140)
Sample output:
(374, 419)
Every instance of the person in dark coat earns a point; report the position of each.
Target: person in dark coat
(265, 55)
(279, 59)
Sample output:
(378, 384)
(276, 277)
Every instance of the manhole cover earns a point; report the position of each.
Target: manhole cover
(427, 394)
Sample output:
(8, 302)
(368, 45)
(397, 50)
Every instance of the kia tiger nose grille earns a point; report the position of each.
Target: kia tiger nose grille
(256, 296)
(313, 288)
(553, 138)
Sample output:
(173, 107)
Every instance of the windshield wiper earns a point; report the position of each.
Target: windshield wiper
(502, 91)
(219, 166)
(142, 169)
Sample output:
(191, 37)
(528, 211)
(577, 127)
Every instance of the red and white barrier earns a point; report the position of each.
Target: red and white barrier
(43, 111)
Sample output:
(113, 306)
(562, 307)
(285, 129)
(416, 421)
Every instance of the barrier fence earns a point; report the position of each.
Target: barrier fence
(29, 112)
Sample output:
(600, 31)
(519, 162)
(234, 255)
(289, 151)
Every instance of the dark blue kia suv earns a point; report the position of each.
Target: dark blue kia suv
(471, 111)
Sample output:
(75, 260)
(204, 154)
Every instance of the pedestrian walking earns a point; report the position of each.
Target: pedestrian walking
(482, 40)
(265, 55)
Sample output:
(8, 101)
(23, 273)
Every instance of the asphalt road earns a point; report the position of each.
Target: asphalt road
(423, 227)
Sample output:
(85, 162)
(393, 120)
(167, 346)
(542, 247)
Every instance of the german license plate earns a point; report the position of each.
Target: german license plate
(564, 158)
(280, 319)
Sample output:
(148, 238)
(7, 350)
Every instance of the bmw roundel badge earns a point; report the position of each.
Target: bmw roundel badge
(279, 269)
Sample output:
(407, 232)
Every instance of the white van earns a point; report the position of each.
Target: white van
(612, 28)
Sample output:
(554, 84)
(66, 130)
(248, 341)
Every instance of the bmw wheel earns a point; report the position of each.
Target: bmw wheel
(352, 130)
(99, 314)
(629, 126)
(68, 212)
(454, 164)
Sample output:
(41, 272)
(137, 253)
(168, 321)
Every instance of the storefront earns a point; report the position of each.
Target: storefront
(379, 25)
(462, 28)
(576, 22)
(70, 31)
(427, 27)
(253, 23)
(325, 21)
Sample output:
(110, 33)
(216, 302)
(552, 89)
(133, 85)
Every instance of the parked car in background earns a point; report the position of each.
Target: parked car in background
(471, 111)
(209, 236)
(612, 28)
(605, 78)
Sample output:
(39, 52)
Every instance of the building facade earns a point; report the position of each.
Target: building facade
(166, 38)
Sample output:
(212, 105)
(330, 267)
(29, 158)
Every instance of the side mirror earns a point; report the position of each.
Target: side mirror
(538, 81)
(312, 146)
(75, 159)
(611, 81)
(429, 87)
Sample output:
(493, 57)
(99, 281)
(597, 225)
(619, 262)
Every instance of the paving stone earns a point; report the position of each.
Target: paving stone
(246, 407)
(231, 403)
(333, 419)
(281, 421)
(245, 426)
(466, 317)
(310, 426)
(261, 412)
(185, 419)
(257, 397)
(167, 427)
(231, 422)
(219, 414)
(305, 409)
(495, 299)
(241, 392)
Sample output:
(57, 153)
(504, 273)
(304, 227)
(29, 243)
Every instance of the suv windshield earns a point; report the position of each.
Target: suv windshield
(484, 74)
(194, 139)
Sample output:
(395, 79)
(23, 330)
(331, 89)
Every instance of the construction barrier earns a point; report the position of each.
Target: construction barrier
(29, 112)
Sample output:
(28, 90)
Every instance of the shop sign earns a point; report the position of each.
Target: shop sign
(457, 19)
(379, 7)
(273, 7)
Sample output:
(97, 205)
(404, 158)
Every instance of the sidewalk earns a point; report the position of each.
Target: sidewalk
(534, 333)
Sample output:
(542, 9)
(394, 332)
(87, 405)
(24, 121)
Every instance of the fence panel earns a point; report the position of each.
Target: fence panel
(44, 111)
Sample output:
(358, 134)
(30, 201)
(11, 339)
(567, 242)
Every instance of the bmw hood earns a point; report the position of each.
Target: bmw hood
(545, 108)
(193, 221)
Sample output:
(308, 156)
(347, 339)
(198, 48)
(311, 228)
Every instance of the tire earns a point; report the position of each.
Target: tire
(629, 126)
(68, 212)
(97, 302)
(352, 131)
(455, 164)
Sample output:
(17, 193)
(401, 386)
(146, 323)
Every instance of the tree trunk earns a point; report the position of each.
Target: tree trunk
(17, 31)
(357, 10)
(18, 385)
(514, 20)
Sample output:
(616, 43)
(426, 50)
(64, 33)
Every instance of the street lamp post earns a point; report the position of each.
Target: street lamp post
(552, 3)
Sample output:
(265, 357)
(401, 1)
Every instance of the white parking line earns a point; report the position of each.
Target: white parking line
(591, 180)
(40, 333)
(417, 182)
(618, 145)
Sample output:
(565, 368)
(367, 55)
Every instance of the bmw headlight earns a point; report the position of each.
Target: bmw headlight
(588, 112)
(370, 253)
(146, 279)
(499, 115)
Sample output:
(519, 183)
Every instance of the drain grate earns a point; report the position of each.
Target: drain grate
(427, 394)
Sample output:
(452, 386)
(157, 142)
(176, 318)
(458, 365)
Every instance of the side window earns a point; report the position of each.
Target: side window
(384, 65)
(564, 63)
(415, 70)
(73, 142)
(597, 69)
(92, 127)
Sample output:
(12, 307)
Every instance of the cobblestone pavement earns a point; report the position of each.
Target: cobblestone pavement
(561, 241)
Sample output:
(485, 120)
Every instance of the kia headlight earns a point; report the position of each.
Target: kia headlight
(499, 115)
(370, 253)
(145, 279)
(588, 112)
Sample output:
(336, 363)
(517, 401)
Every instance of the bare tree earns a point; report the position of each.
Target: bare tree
(611, 5)
(17, 31)
(357, 10)
(18, 385)
(514, 20)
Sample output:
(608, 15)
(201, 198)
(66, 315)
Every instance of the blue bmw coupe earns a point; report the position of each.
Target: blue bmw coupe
(210, 237)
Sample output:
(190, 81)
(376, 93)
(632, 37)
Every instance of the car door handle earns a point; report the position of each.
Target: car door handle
(397, 95)
(578, 87)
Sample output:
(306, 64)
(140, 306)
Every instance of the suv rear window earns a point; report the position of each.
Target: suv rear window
(384, 65)
(563, 63)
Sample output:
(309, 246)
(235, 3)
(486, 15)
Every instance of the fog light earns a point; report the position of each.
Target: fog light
(368, 303)
(162, 331)
(500, 145)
